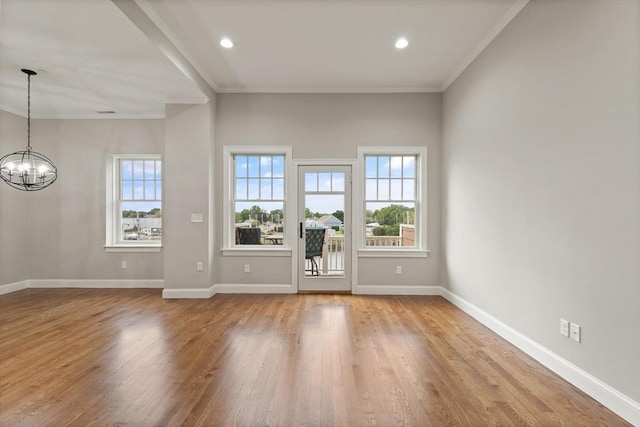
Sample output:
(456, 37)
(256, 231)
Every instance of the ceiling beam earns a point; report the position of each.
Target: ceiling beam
(140, 19)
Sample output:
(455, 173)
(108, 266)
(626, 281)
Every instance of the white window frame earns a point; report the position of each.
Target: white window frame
(420, 249)
(113, 242)
(229, 248)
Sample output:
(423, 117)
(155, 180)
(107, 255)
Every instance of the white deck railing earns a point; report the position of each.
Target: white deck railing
(382, 241)
(333, 251)
(332, 255)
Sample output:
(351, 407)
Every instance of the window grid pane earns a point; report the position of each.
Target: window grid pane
(140, 180)
(278, 189)
(254, 177)
(139, 199)
(390, 200)
(258, 199)
(390, 178)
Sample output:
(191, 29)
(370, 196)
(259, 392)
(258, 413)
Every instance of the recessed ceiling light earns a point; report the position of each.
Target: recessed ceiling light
(225, 42)
(402, 43)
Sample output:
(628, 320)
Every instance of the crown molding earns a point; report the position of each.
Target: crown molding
(413, 89)
(196, 101)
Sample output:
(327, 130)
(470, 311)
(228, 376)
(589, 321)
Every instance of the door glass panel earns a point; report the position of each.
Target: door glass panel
(337, 181)
(310, 181)
(324, 182)
(325, 212)
(324, 216)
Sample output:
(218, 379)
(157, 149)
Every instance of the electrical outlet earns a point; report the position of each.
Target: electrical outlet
(196, 217)
(247, 268)
(574, 331)
(398, 269)
(123, 264)
(564, 327)
(199, 266)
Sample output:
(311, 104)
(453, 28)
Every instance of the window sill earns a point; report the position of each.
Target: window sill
(257, 252)
(393, 253)
(133, 248)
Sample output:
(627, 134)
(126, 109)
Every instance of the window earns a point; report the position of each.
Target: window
(255, 214)
(392, 199)
(134, 201)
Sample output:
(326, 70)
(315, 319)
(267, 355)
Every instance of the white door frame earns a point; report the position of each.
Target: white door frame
(354, 233)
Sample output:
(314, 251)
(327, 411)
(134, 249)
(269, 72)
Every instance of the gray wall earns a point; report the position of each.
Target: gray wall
(541, 174)
(66, 222)
(188, 147)
(15, 235)
(332, 126)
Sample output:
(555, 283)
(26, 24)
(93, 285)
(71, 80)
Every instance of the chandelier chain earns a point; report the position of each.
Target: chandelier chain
(28, 112)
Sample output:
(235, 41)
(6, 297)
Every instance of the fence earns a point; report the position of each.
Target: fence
(333, 252)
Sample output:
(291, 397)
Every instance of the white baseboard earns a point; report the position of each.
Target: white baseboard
(188, 293)
(80, 283)
(96, 284)
(619, 403)
(14, 287)
(397, 290)
(222, 288)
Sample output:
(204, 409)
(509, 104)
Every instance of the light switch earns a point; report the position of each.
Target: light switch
(196, 217)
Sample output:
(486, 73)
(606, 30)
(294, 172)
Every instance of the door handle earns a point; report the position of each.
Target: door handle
(301, 235)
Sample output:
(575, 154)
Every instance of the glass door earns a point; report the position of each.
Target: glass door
(324, 228)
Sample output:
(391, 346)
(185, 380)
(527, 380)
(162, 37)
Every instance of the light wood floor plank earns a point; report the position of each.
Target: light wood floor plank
(80, 357)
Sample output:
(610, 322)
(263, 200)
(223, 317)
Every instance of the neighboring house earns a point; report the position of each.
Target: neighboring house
(370, 228)
(312, 223)
(329, 221)
(141, 223)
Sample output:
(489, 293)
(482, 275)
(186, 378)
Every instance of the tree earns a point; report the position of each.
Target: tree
(242, 216)
(387, 230)
(393, 214)
(256, 213)
(276, 215)
(339, 215)
(156, 212)
(369, 216)
(379, 231)
(308, 213)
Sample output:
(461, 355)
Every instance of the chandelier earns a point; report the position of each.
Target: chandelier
(28, 170)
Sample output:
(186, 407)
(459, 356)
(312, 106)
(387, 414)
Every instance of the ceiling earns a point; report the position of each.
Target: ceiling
(133, 56)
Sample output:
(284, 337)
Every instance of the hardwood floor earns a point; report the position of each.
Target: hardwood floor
(77, 357)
